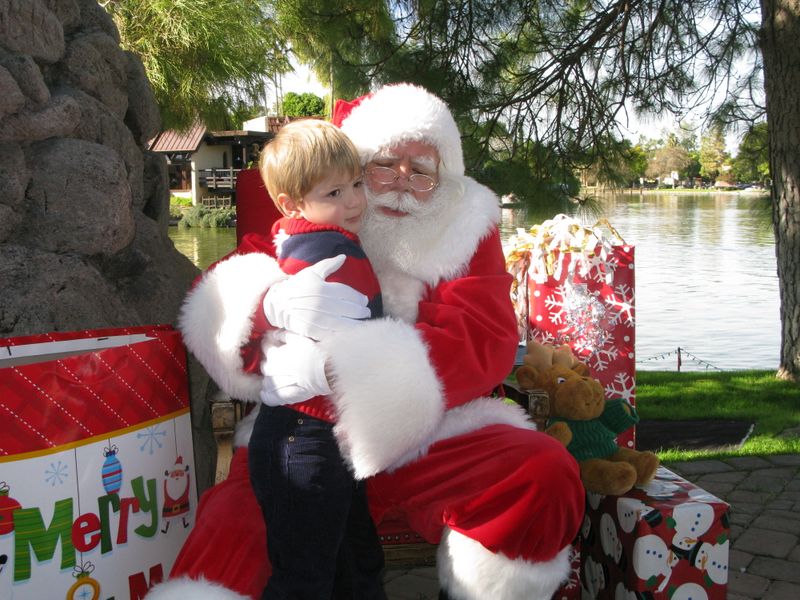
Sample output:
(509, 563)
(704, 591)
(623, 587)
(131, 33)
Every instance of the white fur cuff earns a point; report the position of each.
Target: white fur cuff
(216, 319)
(388, 398)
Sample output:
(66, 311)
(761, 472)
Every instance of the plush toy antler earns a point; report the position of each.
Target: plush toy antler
(544, 356)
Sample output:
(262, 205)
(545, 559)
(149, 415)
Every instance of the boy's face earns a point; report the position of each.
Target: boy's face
(336, 200)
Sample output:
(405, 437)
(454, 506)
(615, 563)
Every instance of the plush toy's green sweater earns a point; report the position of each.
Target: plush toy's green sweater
(596, 438)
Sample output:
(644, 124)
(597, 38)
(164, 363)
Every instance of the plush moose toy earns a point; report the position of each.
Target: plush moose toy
(585, 422)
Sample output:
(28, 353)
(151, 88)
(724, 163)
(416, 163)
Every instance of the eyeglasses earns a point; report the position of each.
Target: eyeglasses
(418, 182)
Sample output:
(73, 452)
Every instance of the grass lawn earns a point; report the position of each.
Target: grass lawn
(754, 396)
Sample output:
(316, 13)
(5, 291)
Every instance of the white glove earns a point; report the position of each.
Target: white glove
(308, 305)
(293, 372)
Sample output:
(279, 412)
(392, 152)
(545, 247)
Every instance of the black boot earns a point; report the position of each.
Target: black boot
(443, 595)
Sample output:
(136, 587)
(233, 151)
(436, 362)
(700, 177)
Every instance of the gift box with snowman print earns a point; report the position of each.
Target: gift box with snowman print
(669, 539)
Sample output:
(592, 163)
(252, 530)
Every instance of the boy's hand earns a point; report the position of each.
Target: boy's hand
(293, 372)
(308, 305)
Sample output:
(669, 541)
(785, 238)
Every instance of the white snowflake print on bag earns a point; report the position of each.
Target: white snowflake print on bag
(575, 284)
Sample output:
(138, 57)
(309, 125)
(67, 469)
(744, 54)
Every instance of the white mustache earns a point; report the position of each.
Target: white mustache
(402, 201)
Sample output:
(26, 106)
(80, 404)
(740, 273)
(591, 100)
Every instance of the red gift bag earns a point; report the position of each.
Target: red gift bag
(575, 284)
(97, 492)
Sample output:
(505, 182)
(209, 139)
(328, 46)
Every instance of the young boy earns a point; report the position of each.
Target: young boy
(321, 540)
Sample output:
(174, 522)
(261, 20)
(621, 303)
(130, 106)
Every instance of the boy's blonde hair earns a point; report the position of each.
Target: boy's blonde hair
(303, 153)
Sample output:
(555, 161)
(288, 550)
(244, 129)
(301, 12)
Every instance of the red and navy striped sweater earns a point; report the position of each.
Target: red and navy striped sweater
(300, 244)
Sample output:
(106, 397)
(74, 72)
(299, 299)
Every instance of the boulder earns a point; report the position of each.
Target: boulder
(11, 97)
(14, 175)
(30, 27)
(95, 64)
(27, 76)
(156, 188)
(78, 200)
(46, 291)
(84, 206)
(94, 18)
(57, 118)
(66, 11)
(142, 118)
(98, 124)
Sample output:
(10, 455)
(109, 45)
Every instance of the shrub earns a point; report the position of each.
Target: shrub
(180, 201)
(219, 217)
(175, 212)
(200, 216)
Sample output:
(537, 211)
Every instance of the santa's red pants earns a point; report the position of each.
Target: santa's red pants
(515, 491)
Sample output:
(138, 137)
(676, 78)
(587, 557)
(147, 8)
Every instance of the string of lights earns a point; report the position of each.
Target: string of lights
(681, 354)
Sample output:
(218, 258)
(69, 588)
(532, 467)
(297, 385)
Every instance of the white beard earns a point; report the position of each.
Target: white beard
(405, 243)
(434, 242)
(401, 248)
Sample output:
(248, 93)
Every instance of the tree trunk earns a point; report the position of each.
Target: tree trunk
(780, 20)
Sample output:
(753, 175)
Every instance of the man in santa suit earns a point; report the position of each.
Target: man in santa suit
(412, 390)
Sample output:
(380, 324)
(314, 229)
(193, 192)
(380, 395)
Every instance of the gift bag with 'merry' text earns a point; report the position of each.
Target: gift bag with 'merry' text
(575, 284)
(97, 492)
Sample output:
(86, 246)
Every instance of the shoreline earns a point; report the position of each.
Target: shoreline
(656, 191)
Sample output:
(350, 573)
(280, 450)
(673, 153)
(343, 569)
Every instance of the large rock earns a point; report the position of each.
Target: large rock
(27, 76)
(57, 118)
(83, 205)
(11, 97)
(67, 11)
(151, 274)
(14, 177)
(142, 117)
(156, 188)
(30, 27)
(94, 18)
(46, 291)
(97, 65)
(98, 124)
(78, 200)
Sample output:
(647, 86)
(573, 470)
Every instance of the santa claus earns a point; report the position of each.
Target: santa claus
(413, 390)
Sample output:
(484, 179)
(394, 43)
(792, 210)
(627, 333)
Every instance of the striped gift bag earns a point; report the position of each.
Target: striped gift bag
(96, 487)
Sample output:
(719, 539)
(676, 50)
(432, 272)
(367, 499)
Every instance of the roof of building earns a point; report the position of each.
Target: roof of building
(179, 141)
(190, 140)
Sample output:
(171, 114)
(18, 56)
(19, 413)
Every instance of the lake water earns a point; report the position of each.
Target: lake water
(705, 275)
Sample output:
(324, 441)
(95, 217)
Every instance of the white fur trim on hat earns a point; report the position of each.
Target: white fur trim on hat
(468, 571)
(403, 113)
(184, 588)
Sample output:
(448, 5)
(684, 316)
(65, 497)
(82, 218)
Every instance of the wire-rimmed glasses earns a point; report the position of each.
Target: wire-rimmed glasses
(386, 175)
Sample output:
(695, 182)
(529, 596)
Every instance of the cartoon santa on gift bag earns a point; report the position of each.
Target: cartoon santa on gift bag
(176, 494)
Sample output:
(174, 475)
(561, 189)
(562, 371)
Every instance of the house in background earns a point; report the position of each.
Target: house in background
(203, 164)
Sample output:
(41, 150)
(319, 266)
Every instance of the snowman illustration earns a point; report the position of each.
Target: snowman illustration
(651, 559)
(609, 539)
(176, 494)
(692, 520)
(689, 591)
(713, 560)
(632, 510)
(661, 489)
(700, 495)
(623, 593)
(586, 527)
(594, 578)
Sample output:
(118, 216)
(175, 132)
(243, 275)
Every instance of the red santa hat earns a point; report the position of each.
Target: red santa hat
(401, 113)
